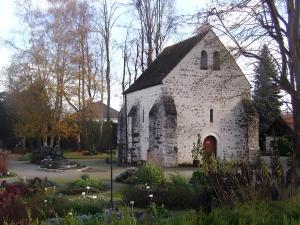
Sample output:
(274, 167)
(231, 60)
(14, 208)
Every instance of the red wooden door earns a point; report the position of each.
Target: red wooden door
(210, 145)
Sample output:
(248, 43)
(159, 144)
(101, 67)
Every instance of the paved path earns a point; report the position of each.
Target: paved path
(28, 170)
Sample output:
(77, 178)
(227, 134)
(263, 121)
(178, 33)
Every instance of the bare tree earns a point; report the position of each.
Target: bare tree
(249, 24)
(107, 21)
(157, 22)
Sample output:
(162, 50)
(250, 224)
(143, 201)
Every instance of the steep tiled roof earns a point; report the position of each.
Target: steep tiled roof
(99, 111)
(283, 125)
(288, 120)
(164, 63)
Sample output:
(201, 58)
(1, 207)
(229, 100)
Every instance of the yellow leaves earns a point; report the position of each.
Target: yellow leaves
(68, 126)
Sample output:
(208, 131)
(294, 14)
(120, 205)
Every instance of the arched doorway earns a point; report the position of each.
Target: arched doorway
(210, 145)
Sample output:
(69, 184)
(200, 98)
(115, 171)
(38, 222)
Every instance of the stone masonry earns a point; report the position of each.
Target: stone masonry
(163, 119)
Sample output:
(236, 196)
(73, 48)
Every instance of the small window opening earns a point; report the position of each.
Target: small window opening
(211, 115)
(143, 115)
(216, 61)
(203, 60)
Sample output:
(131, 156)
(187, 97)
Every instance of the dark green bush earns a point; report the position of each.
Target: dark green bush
(59, 206)
(149, 174)
(285, 146)
(127, 174)
(85, 181)
(84, 184)
(176, 193)
(198, 177)
(255, 213)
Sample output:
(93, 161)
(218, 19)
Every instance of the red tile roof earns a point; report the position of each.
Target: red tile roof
(288, 120)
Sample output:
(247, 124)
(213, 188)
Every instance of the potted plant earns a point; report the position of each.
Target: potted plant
(197, 151)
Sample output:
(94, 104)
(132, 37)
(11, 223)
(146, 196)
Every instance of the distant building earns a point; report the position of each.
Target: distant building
(283, 126)
(98, 112)
(193, 87)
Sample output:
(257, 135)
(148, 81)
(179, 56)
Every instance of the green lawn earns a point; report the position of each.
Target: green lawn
(72, 155)
(79, 155)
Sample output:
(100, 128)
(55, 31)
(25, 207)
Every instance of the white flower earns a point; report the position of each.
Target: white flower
(83, 193)
(131, 202)
(151, 196)
(45, 201)
(147, 187)
(70, 213)
(88, 187)
(94, 196)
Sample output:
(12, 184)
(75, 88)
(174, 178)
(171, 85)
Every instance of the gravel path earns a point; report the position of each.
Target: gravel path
(28, 170)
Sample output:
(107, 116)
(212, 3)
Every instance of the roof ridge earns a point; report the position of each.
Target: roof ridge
(198, 35)
(165, 62)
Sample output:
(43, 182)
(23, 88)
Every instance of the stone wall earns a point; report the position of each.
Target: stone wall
(169, 116)
(197, 91)
(162, 133)
(134, 134)
(145, 99)
(121, 137)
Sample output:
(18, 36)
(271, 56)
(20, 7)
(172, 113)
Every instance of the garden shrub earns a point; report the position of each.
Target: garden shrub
(3, 162)
(179, 192)
(240, 182)
(149, 174)
(137, 193)
(176, 193)
(21, 201)
(126, 175)
(80, 185)
(62, 205)
(285, 146)
(199, 177)
(254, 213)
(85, 181)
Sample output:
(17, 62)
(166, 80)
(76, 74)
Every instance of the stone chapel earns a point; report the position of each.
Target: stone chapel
(193, 87)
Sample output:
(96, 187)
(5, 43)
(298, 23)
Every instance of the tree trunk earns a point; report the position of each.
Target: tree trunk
(108, 100)
(24, 142)
(107, 77)
(52, 140)
(296, 113)
(45, 140)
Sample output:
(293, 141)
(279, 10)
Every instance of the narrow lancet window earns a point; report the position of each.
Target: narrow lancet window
(211, 115)
(203, 60)
(143, 115)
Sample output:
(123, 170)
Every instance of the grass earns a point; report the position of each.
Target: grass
(71, 155)
(79, 155)
(9, 175)
(116, 195)
(25, 157)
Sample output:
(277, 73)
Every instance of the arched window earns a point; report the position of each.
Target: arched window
(203, 60)
(216, 61)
